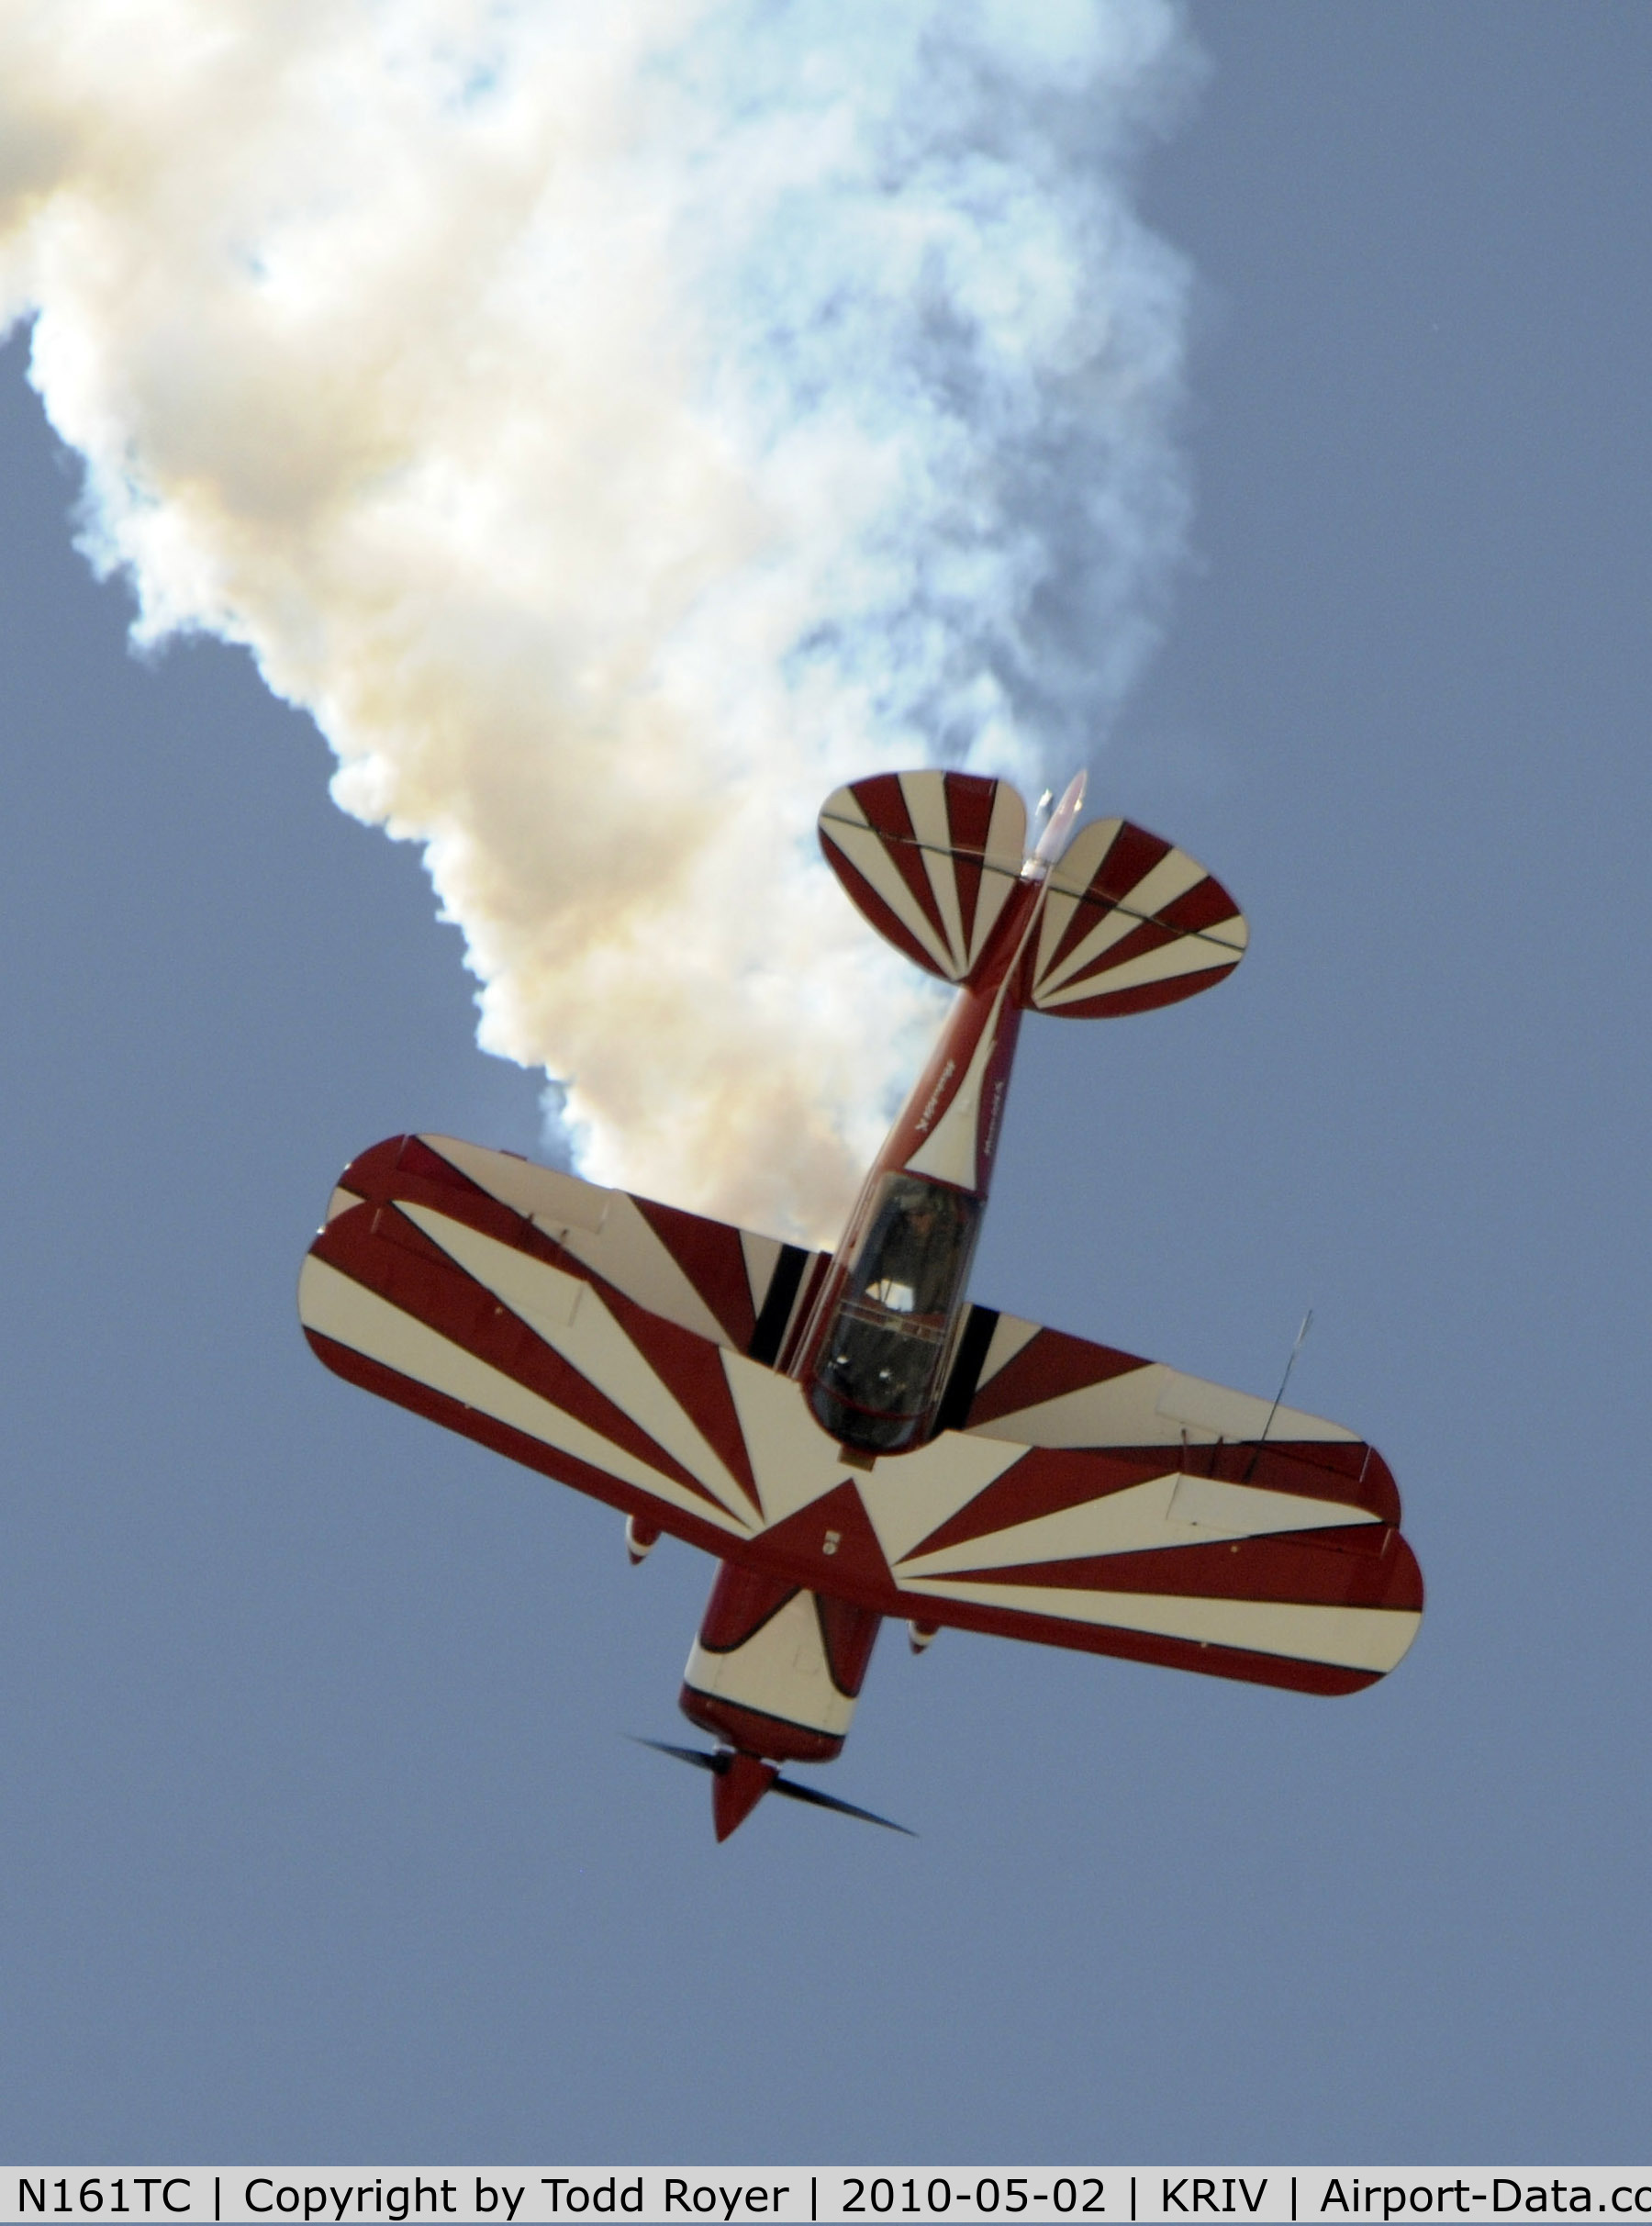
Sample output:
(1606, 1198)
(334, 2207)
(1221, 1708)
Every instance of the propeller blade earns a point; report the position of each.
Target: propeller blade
(794, 1792)
(696, 1755)
(718, 1765)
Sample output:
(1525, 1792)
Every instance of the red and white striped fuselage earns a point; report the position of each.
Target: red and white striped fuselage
(874, 1347)
(775, 1672)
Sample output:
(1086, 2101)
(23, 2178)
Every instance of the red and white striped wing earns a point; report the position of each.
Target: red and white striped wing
(1141, 1559)
(581, 1331)
(733, 1286)
(1089, 1499)
(929, 858)
(1128, 924)
(1149, 1504)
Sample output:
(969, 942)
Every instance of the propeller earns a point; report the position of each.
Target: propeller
(722, 1760)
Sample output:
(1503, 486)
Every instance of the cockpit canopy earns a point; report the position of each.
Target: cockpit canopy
(880, 1368)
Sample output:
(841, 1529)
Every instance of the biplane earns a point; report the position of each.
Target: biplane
(848, 1434)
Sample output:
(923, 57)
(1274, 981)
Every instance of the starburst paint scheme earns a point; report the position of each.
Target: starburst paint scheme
(846, 1433)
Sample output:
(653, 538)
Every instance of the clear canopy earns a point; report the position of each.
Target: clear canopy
(878, 1375)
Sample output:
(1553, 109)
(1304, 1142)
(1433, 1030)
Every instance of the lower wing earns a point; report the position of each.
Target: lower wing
(1076, 1496)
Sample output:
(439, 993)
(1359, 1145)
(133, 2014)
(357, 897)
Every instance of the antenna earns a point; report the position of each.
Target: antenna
(1278, 1395)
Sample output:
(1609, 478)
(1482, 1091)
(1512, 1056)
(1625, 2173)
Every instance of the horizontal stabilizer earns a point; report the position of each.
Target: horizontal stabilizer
(929, 858)
(1130, 923)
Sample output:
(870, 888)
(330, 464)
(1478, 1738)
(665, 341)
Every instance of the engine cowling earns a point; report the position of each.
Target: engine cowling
(777, 1669)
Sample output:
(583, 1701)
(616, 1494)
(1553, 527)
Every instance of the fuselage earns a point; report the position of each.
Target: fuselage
(875, 1351)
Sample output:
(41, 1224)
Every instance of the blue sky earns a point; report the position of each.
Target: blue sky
(326, 1839)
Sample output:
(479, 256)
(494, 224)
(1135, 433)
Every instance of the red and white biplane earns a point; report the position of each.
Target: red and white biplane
(847, 1433)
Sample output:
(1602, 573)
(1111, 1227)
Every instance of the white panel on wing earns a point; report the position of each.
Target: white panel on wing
(629, 1254)
(1242, 1511)
(1156, 1405)
(761, 1256)
(792, 1459)
(545, 1194)
(335, 1306)
(1119, 1522)
(588, 1338)
(1007, 1337)
(907, 1495)
(1142, 1518)
(780, 1671)
(1122, 1410)
(1238, 1415)
(1371, 1639)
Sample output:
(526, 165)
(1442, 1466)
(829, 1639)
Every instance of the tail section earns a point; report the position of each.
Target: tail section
(1126, 922)
(930, 859)
(1129, 923)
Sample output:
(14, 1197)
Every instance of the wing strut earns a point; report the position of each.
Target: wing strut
(1278, 1395)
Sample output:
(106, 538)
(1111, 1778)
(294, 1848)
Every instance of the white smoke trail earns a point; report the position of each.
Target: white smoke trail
(618, 424)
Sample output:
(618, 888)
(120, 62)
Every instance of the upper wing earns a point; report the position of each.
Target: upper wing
(1015, 1380)
(1153, 1501)
(732, 1285)
(1081, 1497)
